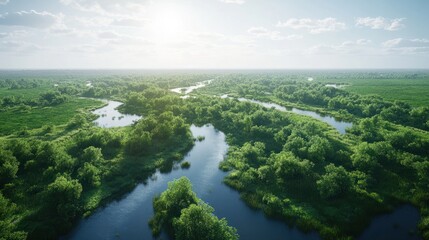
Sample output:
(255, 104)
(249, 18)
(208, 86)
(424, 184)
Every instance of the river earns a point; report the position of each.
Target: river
(128, 218)
(110, 117)
(339, 125)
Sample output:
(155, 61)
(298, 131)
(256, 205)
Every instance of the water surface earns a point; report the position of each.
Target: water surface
(188, 90)
(400, 224)
(129, 217)
(339, 125)
(110, 117)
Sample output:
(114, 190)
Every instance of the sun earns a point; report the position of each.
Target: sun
(167, 22)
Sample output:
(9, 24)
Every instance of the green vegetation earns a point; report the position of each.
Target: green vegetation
(411, 91)
(407, 86)
(22, 118)
(179, 211)
(185, 165)
(200, 138)
(347, 179)
(56, 167)
(61, 168)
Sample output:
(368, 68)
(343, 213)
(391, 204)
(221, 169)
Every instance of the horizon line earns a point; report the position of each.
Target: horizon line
(182, 69)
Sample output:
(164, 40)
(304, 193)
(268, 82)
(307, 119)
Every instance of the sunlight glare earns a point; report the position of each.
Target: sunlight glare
(167, 22)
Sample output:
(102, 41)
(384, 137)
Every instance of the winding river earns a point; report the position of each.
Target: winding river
(110, 117)
(339, 125)
(128, 218)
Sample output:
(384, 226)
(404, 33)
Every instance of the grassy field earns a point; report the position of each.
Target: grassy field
(32, 93)
(412, 91)
(16, 119)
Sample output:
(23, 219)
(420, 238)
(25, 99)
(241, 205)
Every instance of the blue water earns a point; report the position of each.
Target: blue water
(398, 225)
(109, 116)
(339, 125)
(129, 217)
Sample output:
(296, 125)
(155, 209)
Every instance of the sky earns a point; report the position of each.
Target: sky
(214, 34)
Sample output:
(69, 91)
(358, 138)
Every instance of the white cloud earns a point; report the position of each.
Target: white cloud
(314, 26)
(128, 22)
(121, 40)
(30, 18)
(262, 32)
(392, 42)
(381, 23)
(406, 46)
(4, 2)
(108, 35)
(109, 12)
(363, 41)
(108, 8)
(233, 1)
(401, 42)
(17, 34)
(20, 47)
(359, 46)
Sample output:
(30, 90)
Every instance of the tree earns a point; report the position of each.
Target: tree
(319, 149)
(21, 150)
(89, 174)
(253, 154)
(335, 182)
(169, 204)
(8, 166)
(93, 155)
(139, 144)
(197, 222)
(364, 158)
(369, 156)
(183, 215)
(287, 166)
(7, 222)
(63, 195)
(52, 98)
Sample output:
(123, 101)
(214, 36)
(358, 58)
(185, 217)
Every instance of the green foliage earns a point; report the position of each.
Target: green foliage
(7, 226)
(53, 98)
(335, 182)
(289, 89)
(16, 119)
(169, 204)
(185, 165)
(92, 155)
(287, 166)
(90, 175)
(412, 90)
(184, 216)
(155, 133)
(56, 167)
(63, 194)
(8, 166)
(370, 156)
(197, 222)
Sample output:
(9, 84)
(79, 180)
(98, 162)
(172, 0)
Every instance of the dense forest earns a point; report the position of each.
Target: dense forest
(58, 168)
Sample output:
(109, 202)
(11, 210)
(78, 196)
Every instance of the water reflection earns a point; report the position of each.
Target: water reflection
(339, 125)
(398, 225)
(129, 217)
(110, 117)
(188, 90)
